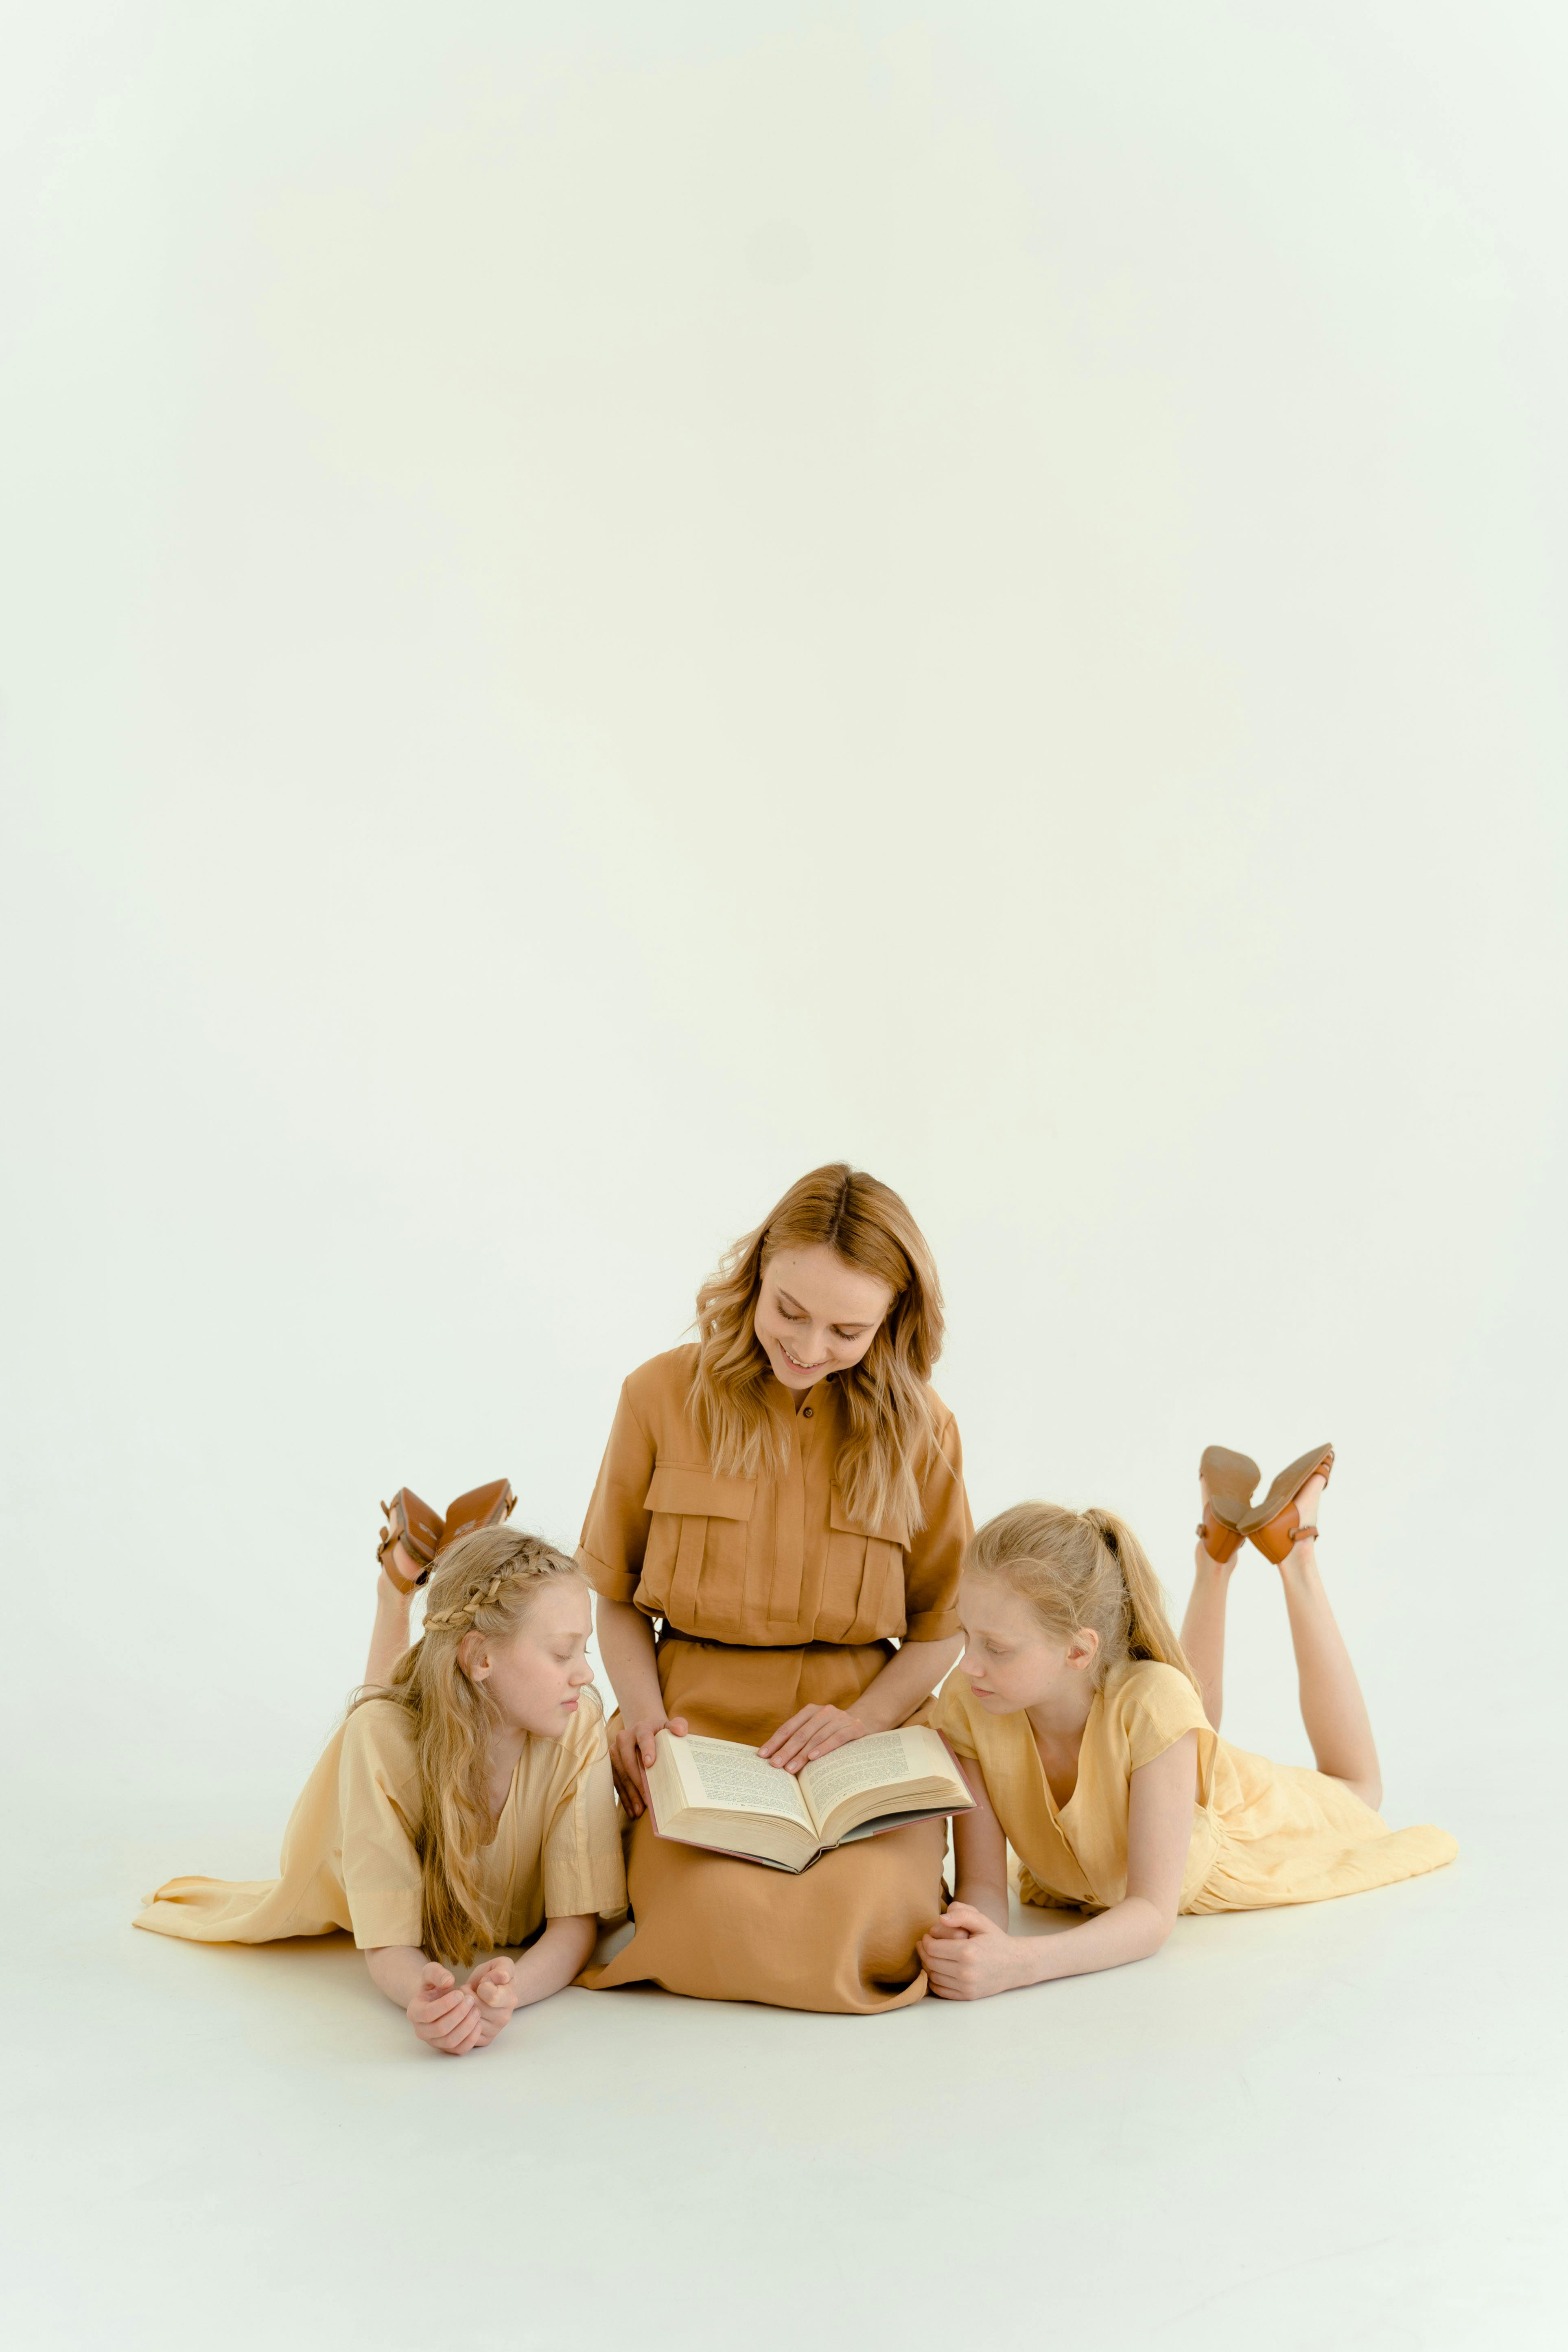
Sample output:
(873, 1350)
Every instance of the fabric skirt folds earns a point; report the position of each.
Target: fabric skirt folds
(840, 1936)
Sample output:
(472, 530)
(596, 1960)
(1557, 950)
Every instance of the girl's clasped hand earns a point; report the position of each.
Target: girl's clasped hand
(457, 2018)
(968, 1956)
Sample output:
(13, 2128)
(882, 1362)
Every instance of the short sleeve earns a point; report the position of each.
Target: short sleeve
(952, 1717)
(1158, 1706)
(377, 1802)
(615, 1533)
(936, 1551)
(584, 1870)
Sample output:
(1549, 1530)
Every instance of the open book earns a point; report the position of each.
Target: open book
(715, 1793)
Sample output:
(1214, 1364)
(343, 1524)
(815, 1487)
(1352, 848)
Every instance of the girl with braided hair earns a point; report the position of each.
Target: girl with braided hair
(463, 1805)
(1090, 1741)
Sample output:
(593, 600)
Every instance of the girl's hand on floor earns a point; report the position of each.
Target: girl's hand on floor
(631, 1753)
(815, 1731)
(445, 2013)
(494, 1986)
(967, 1955)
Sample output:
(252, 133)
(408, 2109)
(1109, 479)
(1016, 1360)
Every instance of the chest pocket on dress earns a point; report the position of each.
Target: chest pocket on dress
(863, 1593)
(699, 1533)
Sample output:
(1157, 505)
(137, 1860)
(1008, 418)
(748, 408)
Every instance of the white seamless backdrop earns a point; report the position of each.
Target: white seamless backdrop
(601, 605)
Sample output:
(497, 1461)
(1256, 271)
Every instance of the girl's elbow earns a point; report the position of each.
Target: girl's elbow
(1157, 1921)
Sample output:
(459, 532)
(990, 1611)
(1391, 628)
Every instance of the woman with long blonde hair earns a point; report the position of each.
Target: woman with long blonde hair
(775, 1539)
(1091, 1739)
(462, 1805)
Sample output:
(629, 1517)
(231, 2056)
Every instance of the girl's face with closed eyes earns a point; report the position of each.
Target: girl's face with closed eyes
(537, 1676)
(815, 1315)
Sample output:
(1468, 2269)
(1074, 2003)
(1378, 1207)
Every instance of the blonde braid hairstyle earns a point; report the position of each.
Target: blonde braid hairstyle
(1080, 1568)
(485, 1584)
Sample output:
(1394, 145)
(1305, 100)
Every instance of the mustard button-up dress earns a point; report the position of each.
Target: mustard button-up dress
(1262, 1833)
(349, 1854)
(770, 1597)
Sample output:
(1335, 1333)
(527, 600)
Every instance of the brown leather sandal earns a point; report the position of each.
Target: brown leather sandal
(1229, 1481)
(481, 1506)
(418, 1528)
(1275, 1523)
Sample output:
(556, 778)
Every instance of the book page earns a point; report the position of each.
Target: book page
(722, 1772)
(869, 1763)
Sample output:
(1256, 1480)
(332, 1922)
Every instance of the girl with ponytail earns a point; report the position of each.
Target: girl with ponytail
(1083, 1728)
(462, 1806)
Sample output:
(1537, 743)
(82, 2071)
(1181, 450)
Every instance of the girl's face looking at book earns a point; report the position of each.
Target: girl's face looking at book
(1011, 1660)
(815, 1315)
(537, 1674)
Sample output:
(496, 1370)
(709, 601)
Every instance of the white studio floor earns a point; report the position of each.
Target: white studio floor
(1336, 2125)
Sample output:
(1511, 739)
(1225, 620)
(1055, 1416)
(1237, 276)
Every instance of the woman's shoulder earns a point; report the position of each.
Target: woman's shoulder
(945, 1459)
(942, 1417)
(663, 1381)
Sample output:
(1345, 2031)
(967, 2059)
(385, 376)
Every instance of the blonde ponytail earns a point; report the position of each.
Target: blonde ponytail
(483, 1585)
(1081, 1568)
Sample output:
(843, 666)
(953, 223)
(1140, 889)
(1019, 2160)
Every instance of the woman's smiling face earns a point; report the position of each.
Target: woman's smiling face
(815, 1315)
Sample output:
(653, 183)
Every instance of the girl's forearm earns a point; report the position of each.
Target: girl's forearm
(984, 1896)
(626, 1647)
(1130, 1931)
(552, 1962)
(912, 1674)
(397, 1970)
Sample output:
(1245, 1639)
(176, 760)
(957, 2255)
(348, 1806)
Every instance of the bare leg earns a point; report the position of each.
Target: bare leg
(389, 1636)
(1203, 1631)
(1332, 1708)
(1203, 1627)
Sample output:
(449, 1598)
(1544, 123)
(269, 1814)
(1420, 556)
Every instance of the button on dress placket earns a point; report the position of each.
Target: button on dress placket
(789, 1540)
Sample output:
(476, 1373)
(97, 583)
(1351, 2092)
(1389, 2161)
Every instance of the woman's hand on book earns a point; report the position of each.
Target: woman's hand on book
(631, 1753)
(815, 1731)
(967, 1955)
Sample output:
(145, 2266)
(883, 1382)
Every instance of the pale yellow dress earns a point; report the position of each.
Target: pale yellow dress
(1263, 1833)
(348, 1856)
